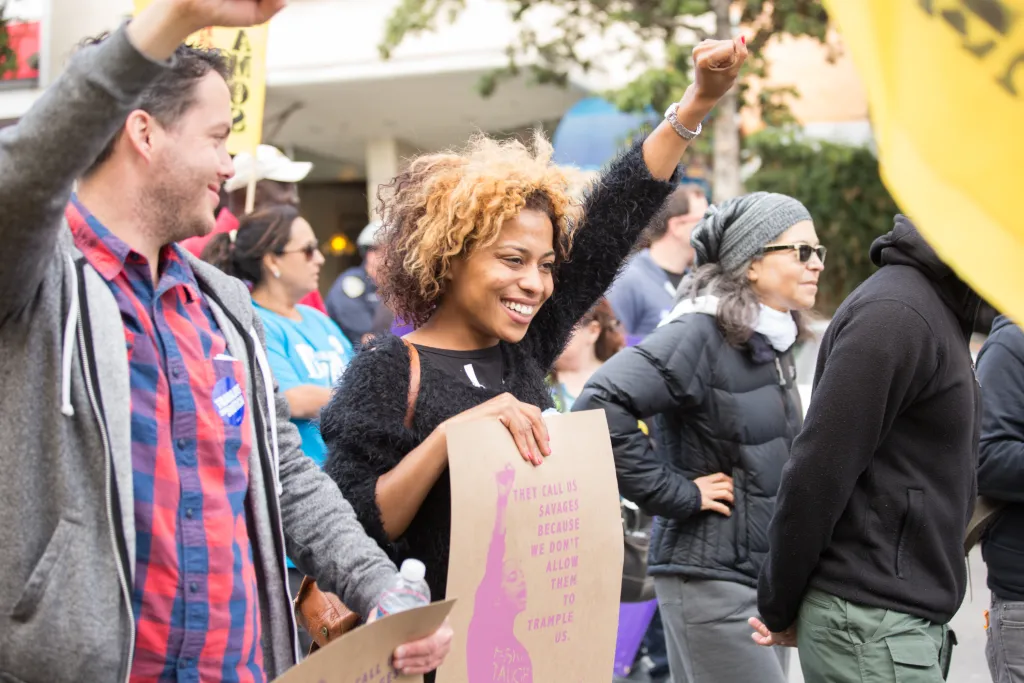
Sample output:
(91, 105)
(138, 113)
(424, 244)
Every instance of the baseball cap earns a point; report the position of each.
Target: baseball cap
(270, 164)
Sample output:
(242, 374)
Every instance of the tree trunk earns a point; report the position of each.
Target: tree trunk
(726, 156)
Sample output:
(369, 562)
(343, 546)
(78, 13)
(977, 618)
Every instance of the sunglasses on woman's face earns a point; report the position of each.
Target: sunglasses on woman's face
(804, 251)
(309, 250)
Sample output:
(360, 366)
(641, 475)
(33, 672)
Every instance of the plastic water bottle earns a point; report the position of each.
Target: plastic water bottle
(407, 590)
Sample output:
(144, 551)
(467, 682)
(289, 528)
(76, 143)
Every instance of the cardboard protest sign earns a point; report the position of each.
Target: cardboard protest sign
(536, 555)
(364, 655)
(246, 51)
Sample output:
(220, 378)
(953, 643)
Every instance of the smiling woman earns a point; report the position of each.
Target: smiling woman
(492, 260)
(503, 226)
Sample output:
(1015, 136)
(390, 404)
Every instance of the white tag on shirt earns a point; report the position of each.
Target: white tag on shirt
(471, 373)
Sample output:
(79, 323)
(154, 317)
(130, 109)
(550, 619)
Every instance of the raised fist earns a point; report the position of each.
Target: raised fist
(504, 478)
(202, 13)
(716, 65)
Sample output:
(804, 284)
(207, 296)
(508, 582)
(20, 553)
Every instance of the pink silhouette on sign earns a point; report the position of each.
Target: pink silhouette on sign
(493, 653)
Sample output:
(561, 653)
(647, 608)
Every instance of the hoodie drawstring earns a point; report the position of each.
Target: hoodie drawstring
(68, 354)
(268, 387)
(68, 348)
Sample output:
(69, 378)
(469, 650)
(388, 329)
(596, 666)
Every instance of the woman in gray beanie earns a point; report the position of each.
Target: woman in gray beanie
(718, 378)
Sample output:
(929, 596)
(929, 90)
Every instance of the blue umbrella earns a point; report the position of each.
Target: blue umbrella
(593, 131)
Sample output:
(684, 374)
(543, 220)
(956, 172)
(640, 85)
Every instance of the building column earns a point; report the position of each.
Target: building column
(66, 22)
(385, 158)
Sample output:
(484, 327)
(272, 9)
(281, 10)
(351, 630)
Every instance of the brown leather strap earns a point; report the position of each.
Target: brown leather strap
(414, 382)
(323, 615)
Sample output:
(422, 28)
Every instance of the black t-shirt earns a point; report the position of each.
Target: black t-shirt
(479, 367)
(674, 278)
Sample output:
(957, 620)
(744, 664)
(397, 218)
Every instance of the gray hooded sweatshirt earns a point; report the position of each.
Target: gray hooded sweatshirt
(67, 539)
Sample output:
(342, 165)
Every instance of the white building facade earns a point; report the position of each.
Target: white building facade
(332, 99)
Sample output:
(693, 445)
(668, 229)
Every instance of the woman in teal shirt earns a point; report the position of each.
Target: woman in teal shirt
(275, 251)
(307, 355)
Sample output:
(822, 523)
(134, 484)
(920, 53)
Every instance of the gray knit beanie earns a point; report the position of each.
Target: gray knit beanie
(733, 232)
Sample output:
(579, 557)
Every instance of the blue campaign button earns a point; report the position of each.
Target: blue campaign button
(229, 401)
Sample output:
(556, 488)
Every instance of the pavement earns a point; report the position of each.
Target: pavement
(968, 665)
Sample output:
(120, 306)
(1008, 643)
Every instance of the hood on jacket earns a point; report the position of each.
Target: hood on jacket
(999, 323)
(905, 246)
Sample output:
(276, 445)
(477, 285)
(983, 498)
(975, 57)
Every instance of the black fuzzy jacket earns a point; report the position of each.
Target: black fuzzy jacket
(363, 424)
(880, 484)
(1001, 458)
(718, 409)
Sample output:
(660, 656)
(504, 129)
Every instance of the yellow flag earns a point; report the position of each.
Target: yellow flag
(945, 82)
(246, 51)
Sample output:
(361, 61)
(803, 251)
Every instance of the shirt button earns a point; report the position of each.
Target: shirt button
(181, 444)
(194, 587)
(175, 372)
(189, 512)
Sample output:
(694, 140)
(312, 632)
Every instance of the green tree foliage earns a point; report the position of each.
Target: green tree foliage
(677, 24)
(841, 187)
(8, 60)
(839, 184)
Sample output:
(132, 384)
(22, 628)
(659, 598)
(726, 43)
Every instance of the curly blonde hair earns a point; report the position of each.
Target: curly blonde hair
(444, 206)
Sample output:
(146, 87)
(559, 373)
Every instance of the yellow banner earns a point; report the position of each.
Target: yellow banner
(246, 51)
(945, 81)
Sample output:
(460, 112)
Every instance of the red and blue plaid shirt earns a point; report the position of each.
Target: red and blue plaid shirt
(194, 594)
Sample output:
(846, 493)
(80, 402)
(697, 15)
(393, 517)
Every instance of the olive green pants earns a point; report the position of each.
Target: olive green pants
(842, 642)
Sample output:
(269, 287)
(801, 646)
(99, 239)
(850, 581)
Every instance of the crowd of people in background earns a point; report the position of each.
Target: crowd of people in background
(189, 438)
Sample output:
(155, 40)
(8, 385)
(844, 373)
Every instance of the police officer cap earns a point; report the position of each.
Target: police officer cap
(369, 237)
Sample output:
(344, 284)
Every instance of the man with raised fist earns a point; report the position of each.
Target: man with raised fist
(152, 480)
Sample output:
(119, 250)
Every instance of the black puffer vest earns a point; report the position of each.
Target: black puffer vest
(720, 409)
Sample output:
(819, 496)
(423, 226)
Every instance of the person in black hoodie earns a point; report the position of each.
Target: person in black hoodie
(866, 562)
(1001, 478)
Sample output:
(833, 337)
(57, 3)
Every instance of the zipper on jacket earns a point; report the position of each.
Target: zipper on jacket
(778, 367)
(787, 404)
(273, 500)
(94, 401)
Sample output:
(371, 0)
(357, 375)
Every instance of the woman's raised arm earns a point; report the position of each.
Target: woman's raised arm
(625, 200)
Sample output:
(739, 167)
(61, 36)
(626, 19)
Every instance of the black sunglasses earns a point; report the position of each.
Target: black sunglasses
(309, 250)
(804, 251)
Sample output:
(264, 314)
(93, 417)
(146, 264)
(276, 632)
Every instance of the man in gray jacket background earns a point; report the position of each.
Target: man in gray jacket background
(152, 479)
(646, 290)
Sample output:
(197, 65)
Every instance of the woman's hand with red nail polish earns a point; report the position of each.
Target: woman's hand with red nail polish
(524, 422)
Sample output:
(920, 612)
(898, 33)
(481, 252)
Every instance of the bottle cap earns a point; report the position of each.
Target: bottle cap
(413, 570)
